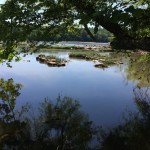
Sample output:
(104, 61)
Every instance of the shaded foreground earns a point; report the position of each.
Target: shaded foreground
(64, 126)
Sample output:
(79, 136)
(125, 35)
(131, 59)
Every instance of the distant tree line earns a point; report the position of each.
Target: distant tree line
(78, 35)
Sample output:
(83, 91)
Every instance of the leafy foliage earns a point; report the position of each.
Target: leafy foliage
(127, 20)
(79, 35)
(8, 94)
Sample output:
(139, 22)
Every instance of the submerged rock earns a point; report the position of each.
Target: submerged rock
(55, 64)
(41, 58)
(51, 61)
(61, 64)
(101, 66)
(101, 60)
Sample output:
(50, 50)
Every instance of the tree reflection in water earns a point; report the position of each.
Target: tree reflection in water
(138, 67)
(11, 127)
(134, 134)
(62, 126)
(139, 70)
(58, 126)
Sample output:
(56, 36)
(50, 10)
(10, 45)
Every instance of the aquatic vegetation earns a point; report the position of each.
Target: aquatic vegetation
(138, 71)
(109, 61)
(50, 57)
(86, 55)
(101, 66)
(59, 47)
(51, 60)
(145, 57)
(105, 61)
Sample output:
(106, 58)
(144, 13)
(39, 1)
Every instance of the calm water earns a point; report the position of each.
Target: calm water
(103, 94)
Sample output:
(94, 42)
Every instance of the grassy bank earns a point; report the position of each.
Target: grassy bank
(93, 48)
(106, 60)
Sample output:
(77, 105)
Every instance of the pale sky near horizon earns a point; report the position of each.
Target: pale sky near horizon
(2, 1)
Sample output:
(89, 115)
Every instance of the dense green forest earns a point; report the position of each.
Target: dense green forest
(79, 35)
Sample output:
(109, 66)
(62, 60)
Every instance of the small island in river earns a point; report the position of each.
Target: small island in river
(52, 61)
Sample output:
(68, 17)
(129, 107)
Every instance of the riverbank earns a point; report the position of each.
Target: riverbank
(86, 47)
(69, 45)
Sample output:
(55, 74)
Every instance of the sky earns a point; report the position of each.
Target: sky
(2, 1)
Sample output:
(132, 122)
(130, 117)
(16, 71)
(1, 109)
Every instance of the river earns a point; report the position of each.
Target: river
(104, 94)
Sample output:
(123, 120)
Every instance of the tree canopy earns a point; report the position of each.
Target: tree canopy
(128, 20)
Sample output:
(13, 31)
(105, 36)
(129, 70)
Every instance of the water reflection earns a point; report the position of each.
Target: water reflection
(139, 71)
(102, 94)
(9, 91)
(63, 126)
(58, 126)
(134, 134)
(11, 128)
(137, 67)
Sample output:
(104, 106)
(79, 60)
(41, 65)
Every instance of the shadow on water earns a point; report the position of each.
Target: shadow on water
(64, 126)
